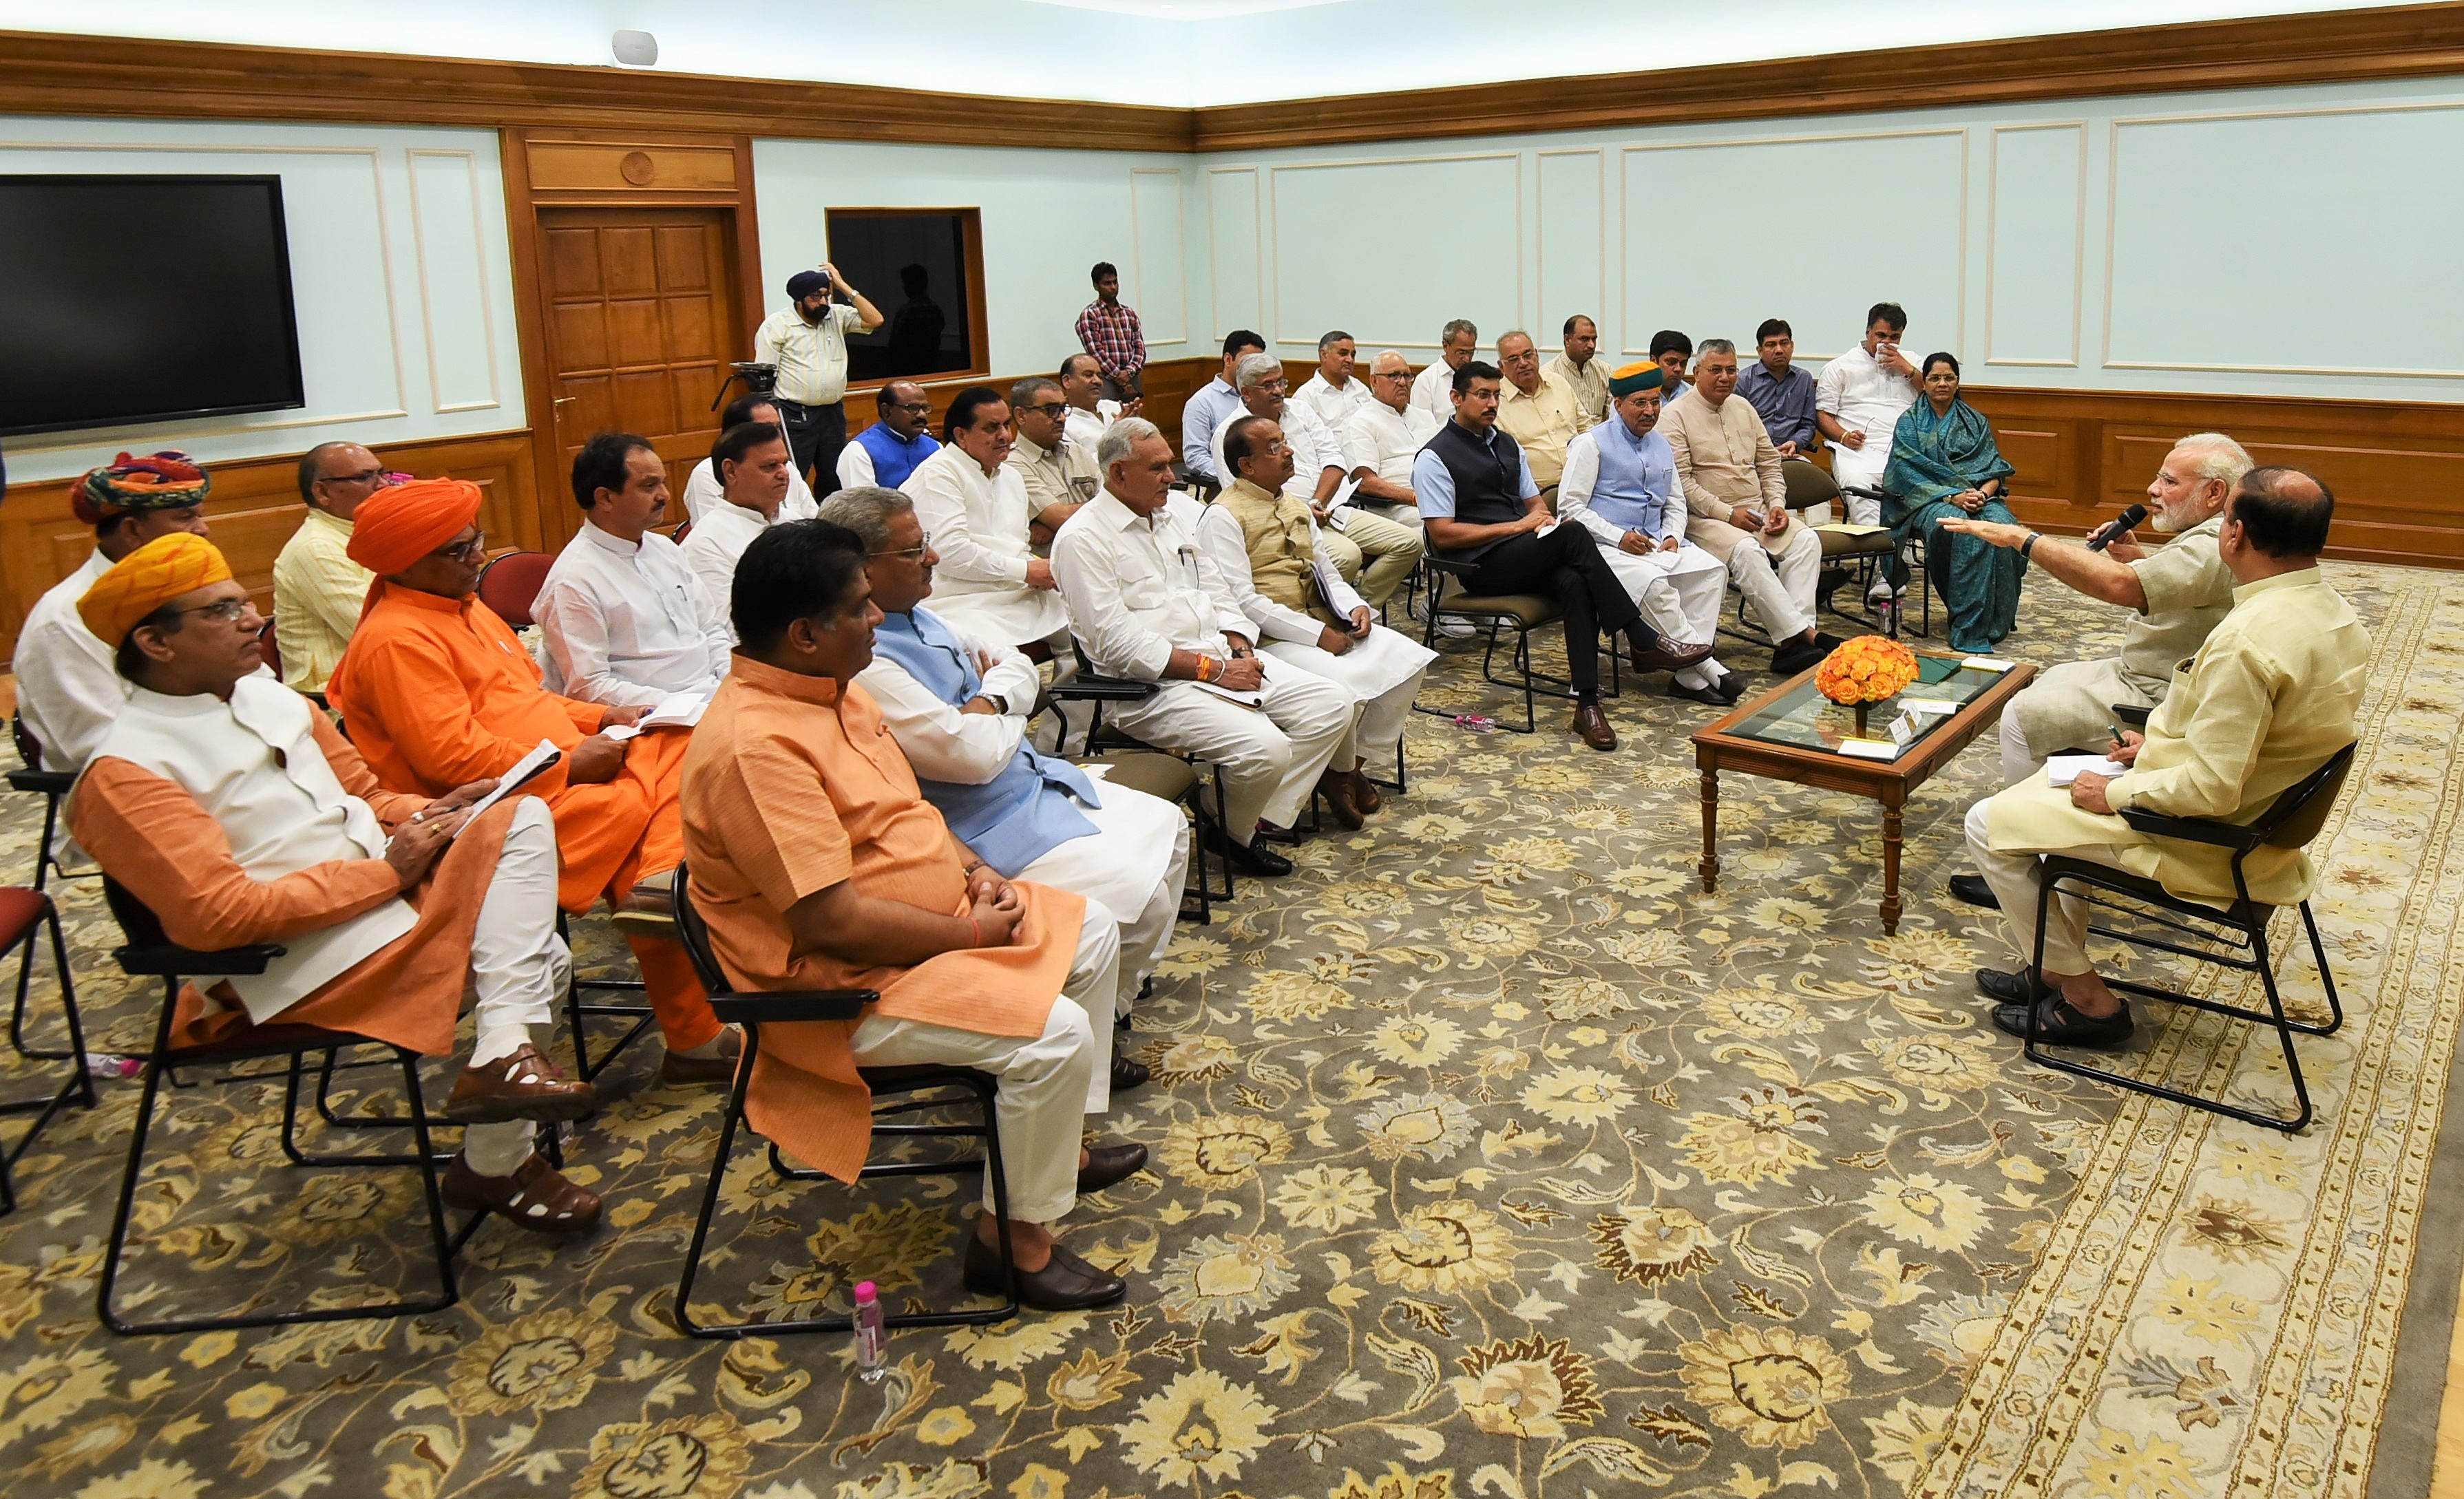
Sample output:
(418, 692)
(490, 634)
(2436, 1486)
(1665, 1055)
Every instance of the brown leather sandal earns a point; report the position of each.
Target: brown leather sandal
(521, 1085)
(534, 1196)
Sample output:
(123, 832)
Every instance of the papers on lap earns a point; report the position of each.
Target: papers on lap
(523, 769)
(2061, 770)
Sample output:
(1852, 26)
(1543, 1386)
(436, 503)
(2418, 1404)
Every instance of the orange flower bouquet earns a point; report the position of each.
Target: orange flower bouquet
(1864, 671)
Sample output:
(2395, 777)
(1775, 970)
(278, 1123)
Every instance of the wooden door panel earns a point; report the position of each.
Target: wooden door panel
(685, 262)
(638, 338)
(572, 262)
(645, 401)
(689, 326)
(581, 335)
(628, 259)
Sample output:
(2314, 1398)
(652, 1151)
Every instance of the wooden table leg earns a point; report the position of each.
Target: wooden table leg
(1710, 828)
(1890, 868)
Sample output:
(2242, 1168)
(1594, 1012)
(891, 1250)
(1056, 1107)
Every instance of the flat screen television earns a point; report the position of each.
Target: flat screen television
(143, 298)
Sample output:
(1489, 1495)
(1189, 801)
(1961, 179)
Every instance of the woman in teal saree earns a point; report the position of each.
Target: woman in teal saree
(1943, 465)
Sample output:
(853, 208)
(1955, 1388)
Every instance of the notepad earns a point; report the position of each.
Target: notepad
(1846, 529)
(2061, 770)
(1987, 662)
(1870, 749)
(526, 769)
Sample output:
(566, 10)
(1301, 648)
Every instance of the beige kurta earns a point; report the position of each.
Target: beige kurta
(2271, 696)
(1543, 418)
(2189, 590)
(1589, 381)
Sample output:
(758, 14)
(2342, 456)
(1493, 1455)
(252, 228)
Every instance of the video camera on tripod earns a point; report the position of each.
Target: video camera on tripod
(759, 379)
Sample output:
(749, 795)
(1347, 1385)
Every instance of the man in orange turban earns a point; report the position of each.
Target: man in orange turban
(436, 690)
(237, 815)
(67, 692)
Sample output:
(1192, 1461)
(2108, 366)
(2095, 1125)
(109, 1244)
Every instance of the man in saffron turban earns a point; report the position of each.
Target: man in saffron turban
(237, 815)
(437, 691)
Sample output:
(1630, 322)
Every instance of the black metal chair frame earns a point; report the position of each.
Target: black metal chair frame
(148, 954)
(1532, 683)
(1095, 691)
(578, 1011)
(908, 1090)
(2239, 929)
(78, 1086)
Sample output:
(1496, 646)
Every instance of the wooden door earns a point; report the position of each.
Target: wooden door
(642, 314)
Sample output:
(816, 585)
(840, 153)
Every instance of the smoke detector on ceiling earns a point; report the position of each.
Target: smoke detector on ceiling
(635, 49)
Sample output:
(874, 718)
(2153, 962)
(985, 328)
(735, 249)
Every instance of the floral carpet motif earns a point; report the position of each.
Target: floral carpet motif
(1492, 1158)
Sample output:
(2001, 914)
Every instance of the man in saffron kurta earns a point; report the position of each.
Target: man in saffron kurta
(436, 690)
(818, 864)
(232, 809)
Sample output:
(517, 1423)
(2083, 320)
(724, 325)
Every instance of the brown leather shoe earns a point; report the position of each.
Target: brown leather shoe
(1594, 726)
(1066, 1283)
(1364, 792)
(647, 910)
(1107, 1164)
(1335, 786)
(677, 1069)
(535, 1196)
(1663, 654)
(524, 1085)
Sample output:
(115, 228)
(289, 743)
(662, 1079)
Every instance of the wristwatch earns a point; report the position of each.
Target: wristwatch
(2029, 545)
(999, 700)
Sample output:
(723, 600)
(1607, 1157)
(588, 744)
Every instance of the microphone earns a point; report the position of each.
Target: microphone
(2121, 523)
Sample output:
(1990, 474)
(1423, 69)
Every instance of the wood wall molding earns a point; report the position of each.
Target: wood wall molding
(49, 74)
(254, 509)
(2340, 47)
(43, 72)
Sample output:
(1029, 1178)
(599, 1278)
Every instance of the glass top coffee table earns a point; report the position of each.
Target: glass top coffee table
(1794, 733)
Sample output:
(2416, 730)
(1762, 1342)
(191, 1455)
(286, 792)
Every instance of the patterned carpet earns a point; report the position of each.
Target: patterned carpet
(1493, 1158)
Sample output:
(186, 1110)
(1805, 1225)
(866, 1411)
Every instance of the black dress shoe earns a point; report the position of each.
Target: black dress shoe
(1066, 1283)
(1107, 1164)
(2021, 987)
(1254, 858)
(1796, 655)
(1128, 1073)
(1730, 687)
(2058, 1024)
(1711, 696)
(1973, 889)
(1827, 643)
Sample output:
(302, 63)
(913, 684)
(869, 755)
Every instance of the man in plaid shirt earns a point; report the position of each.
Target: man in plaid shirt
(1110, 332)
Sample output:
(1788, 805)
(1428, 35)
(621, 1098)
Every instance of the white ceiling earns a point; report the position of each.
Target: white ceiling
(1180, 53)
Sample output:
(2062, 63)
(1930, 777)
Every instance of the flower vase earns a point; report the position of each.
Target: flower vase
(1862, 708)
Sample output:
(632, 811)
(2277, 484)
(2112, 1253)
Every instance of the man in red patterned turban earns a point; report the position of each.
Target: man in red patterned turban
(67, 691)
(437, 691)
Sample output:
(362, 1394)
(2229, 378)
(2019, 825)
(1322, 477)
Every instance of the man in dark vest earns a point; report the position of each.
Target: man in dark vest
(1476, 496)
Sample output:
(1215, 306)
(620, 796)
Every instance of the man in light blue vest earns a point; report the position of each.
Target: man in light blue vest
(885, 452)
(1620, 485)
(959, 706)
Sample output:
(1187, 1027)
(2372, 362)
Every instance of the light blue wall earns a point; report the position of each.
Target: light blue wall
(2304, 241)
(399, 268)
(1047, 217)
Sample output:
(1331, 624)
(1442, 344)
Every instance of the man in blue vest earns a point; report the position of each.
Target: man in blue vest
(959, 706)
(1475, 494)
(885, 452)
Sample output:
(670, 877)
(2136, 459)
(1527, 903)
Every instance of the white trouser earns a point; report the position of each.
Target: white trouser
(1135, 863)
(1381, 673)
(518, 968)
(1863, 468)
(1271, 757)
(1780, 586)
(2012, 875)
(2068, 707)
(1048, 1083)
(1678, 594)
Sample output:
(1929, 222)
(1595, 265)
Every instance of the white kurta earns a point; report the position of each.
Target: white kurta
(1433, 391)
(1334, 404)
(977, 522)
(1084, 429)
(1385, 440)
(1865, 398)
(1135, 862)
(68, 691)
(719, 538)
(623, 624)
(1680, 591)
(703, 491)
(1314, 449)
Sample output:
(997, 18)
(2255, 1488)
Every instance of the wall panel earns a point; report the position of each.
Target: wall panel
(450, 235)
(1158, 283)
(1910, 239)
(1236, 264)
(1326, 212)
(2034, 244)
(2350, 267)
(1572, 241)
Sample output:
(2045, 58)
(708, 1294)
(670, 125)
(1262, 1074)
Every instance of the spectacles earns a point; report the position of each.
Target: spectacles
(225, 611)
(363, 476)
(908, 405)
(913, 554)
(470, 551)
(1052, 409)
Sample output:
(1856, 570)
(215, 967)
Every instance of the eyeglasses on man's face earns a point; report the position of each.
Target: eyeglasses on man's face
(363, 476)
(224, 611)
(1051, 410)
(913, 554)
(915, 407)
(470, 551)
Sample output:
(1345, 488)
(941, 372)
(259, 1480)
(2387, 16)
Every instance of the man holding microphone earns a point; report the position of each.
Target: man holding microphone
(806, 341)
